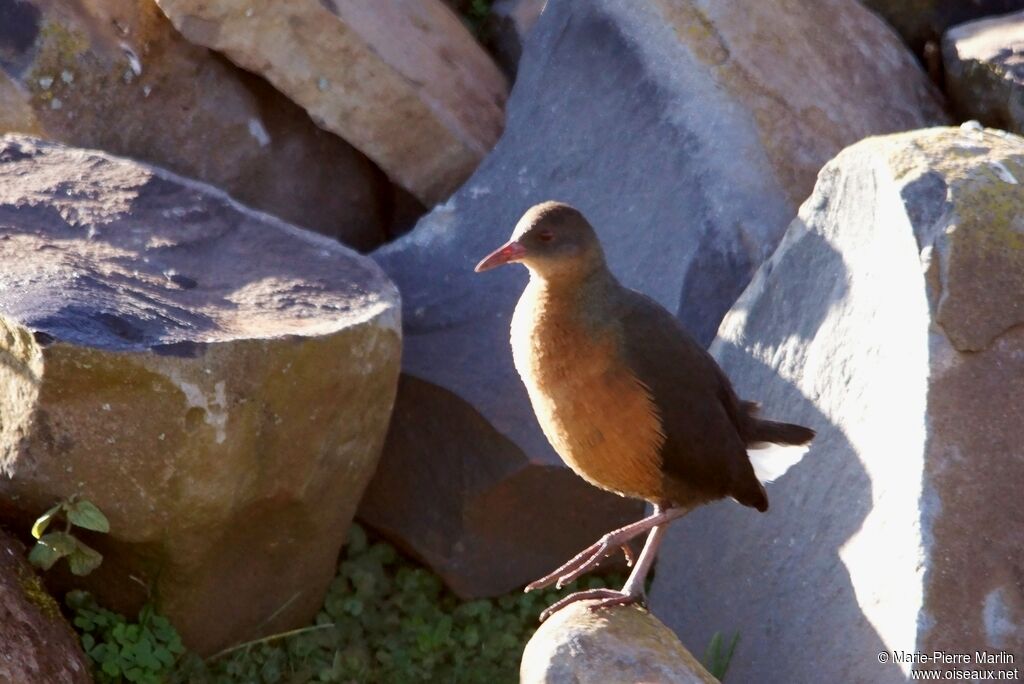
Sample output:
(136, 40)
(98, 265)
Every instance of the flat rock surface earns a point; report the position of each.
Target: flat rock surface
(116, 76)
(622, 644)
(36, 643)
(217, 382)
(984, 62)
(687, 132)
(890, 320)
(404, 82)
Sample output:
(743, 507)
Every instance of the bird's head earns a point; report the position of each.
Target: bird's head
(552, 240)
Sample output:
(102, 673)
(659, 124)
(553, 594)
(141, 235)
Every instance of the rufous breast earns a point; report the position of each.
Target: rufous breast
(596, 414)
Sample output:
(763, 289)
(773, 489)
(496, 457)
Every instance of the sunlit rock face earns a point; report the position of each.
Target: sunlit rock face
(890, 320)
(115, 75)
(618, 644)
(218, 382)
(404, 82)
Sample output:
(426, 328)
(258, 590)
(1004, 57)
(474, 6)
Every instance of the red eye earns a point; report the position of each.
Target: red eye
(545, 236)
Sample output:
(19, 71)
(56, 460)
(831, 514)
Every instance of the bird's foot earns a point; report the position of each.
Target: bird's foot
(589, 557)
(581, 563)
(603, 598)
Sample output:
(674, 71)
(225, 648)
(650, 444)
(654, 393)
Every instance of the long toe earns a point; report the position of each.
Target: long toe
(623, 599)
(583, 562)
(605, 596)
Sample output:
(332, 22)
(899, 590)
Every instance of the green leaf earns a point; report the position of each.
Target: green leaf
(50, 548)
(85, 514)
(175, 646)
(711, 652)
(717, 660)
(43, 521)
(62, 542)
(164, 656)
(84, 559)
(43, 556)
(79, 601)
(145, 657)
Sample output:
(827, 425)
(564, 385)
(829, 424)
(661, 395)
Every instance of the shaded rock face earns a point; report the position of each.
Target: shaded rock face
(36, 643)
(889, 319)
(920, 21)
(624, 644)
(985, 71)
(648, 117)
(115, 75)
(217, 382)
(506, 27)
(403, 82)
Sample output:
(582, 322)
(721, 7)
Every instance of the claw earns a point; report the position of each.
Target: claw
(605, 598)
(579, 565)
(627, 551)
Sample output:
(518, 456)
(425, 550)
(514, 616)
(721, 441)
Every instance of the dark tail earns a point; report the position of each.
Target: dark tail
(758, 431)
(767, 431)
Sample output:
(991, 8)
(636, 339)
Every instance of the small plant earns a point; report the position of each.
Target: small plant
(50, 547)
(144, 651)
(717, 659)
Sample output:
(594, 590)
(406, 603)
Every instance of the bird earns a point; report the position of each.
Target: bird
(629, 400)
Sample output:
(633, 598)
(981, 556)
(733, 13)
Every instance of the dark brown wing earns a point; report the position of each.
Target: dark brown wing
(702, 418)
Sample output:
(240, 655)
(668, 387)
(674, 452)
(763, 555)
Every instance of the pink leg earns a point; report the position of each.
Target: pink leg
(632, 591)
(587, 559)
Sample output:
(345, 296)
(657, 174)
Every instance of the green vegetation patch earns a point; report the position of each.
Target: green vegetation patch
(386, 619)
(143, 651)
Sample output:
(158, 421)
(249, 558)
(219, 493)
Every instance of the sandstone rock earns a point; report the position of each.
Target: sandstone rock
(889, 319)
(985, 70)
(404, 82)
(625, 644)
(36, 643)
(920, 21)
(216, 381)
(687, 136)
(115, 75)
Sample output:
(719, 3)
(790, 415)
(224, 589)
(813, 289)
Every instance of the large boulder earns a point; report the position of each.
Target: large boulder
(404, 82)
(36, 643)
(890, 319)
(115, 75)
(985, 70)
(622, 644)
(217, 382)
(923, 21)
(687, 132)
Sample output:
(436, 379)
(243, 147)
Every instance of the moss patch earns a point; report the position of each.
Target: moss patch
(33, 590)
